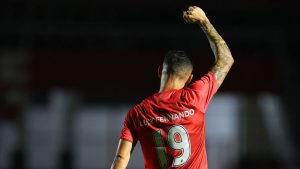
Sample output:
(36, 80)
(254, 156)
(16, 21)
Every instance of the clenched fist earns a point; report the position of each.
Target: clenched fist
(194, 14)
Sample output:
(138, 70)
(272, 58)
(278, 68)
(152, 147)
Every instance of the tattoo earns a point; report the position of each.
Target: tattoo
(223, 57)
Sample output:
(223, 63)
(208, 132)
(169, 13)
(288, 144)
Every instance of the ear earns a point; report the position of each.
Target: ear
(188, 81)
(159, 71)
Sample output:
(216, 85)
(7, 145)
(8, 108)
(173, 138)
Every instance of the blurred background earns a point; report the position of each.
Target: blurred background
(70, 70)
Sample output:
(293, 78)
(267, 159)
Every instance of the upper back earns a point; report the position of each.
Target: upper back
(170, 126)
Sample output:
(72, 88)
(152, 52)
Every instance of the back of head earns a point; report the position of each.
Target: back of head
(177, 63)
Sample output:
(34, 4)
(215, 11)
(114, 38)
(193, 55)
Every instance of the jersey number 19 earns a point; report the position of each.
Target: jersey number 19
(177, 139)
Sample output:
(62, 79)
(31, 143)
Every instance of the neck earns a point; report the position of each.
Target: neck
(170, 82)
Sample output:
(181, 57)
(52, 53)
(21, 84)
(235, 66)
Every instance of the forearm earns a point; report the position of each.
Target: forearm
(217, 43)
(223, 57)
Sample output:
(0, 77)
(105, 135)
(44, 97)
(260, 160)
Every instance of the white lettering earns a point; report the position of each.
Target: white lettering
(168, 117)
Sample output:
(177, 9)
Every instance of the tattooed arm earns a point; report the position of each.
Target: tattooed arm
(223, 58)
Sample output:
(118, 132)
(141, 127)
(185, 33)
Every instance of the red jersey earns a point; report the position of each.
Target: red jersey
(170, 126)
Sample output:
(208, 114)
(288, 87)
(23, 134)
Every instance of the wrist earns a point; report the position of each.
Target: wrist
(203, 22)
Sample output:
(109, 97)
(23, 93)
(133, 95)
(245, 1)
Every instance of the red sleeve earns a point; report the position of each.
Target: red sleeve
(203, 90)
(128, 131)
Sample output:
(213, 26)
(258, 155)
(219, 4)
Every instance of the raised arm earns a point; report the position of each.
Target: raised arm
(223, 57)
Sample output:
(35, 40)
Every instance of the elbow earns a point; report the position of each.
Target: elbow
(120, 158)
(120, 162)
(226, 61)
(231, 60)
(225, 58)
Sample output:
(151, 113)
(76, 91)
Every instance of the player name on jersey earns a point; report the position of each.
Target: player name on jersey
(168, 117)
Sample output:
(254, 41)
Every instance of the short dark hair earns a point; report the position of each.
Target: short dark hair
(178, 62)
